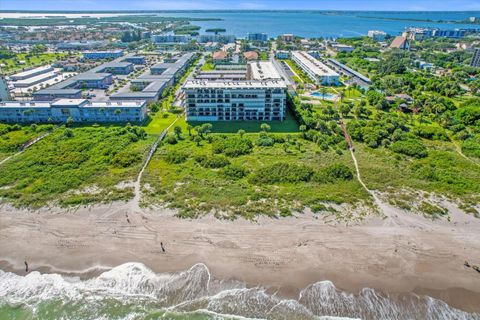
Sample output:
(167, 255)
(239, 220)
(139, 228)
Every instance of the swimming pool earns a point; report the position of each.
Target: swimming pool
(326, 96)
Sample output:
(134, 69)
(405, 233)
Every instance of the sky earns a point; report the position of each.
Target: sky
(98, 5)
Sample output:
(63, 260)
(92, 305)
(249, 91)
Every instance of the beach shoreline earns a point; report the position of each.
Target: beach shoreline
(405, 254)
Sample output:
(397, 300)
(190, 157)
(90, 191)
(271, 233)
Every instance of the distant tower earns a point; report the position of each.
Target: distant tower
(4, 95)
(476, 58)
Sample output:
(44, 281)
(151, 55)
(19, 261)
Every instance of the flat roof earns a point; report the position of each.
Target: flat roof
(57, 91)
(32, 71)
(263, 70)
(68, 102)
(350, 70)
(36, 78)
(314, 65)
(248, 84)
(21, 104)
(105, 51)
(135, 95)
(115, 104)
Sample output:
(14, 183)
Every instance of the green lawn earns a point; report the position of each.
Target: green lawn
(288, 125)
(208, 66)
(159, 122)
(13, 65)
(196, 190)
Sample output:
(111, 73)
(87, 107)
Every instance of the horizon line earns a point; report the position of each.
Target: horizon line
(219, 10)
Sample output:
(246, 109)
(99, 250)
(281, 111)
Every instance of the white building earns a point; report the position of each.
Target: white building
(170, 38)
(79, 110)
(261, 97)
(377, 35)
(316, 70)
(343, 47)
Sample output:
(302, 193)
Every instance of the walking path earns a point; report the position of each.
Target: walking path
(27, 145)
(135, 205)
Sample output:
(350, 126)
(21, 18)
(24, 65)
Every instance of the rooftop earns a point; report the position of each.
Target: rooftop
(27, 73)
(200, 84)
(314, 65)
(263, 70)
(220, 55)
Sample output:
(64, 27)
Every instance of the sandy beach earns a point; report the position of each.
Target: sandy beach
(397, 254)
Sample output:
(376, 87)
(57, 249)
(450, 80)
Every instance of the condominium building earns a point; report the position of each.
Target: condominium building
(377, 35)
(287, 37)
(220, 38)
(170, 38)
(79, 110)
(262, 97)
(476, 58)
(96, 55)
(316, 70)
(97, 78)
(257, 37)
(31, 73)
(150, 85)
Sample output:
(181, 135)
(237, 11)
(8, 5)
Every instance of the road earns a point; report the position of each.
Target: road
(179, 93)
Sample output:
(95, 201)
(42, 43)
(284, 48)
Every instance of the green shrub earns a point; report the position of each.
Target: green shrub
(171, 139)
(176, 157)
(265, 141)
(332, 173)
(432, 210)
(235, 171)
(213, 161)
(232, 146)
(125, 159)
(410, 147)
(430, 132)
(471, 147)
(282, 172)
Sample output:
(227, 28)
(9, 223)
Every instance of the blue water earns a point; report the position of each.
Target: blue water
(321, 23)
(327, 96)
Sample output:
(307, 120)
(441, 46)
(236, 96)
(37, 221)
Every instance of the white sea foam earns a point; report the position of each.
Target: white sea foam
(193, 291)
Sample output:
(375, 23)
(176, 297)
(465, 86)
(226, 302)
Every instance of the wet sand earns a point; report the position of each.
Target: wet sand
(397, 254)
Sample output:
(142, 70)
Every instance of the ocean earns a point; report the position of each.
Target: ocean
(132, 291)
(313, 24)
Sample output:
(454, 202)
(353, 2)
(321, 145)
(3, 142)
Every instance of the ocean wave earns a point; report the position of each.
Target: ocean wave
(133, 291)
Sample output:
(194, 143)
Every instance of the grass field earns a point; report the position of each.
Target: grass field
(12, 65)
(288, 125)
(196, 190)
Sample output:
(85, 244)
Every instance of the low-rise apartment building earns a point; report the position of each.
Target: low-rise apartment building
(79, 110)
(150, 85)
(97, 55)
(319, 72)
(31, 73)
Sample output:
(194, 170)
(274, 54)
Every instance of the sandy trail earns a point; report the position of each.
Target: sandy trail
(281, 254)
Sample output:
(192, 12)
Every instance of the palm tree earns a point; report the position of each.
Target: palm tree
(189, 128)
(323, 91)
(303, 129)
(241, 132)
(265, 127)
